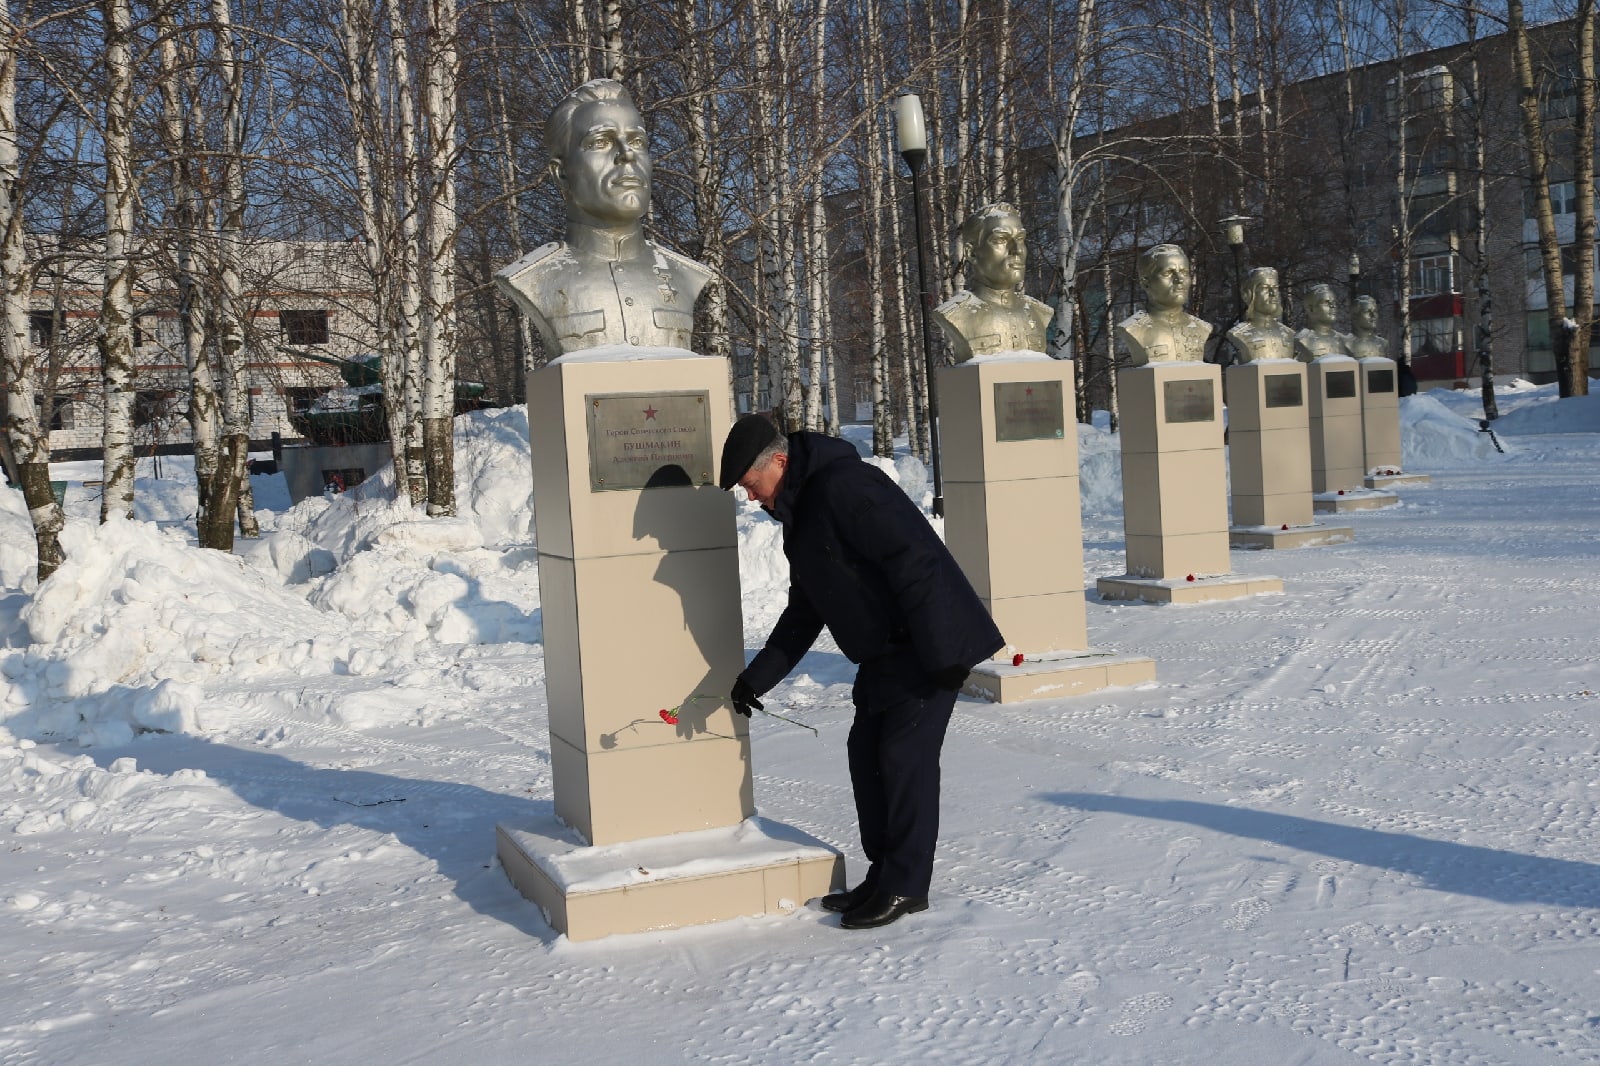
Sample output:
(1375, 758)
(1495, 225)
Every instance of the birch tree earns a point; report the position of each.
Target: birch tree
(28, 441)
(1583, 117)
(439, 337)
(115, 336)
(1544, 215)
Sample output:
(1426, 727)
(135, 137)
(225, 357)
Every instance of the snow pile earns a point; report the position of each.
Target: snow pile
(70, 791)
(1432, 433)
(124, 635)
(1576, 414)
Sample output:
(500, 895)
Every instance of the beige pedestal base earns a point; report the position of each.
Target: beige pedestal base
(1307, 536)
(1058, 674)
(1182, 590)
(1352, 500)
(750, 869)
(1389, 481)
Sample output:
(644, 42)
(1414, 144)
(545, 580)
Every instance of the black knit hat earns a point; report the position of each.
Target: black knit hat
(747, 439)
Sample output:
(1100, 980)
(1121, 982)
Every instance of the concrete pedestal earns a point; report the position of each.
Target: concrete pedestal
(1269, 458)
(640, 603)
(1174, 488)
(1380, 426)
(1013, 521)
(1362, 499)
(1338, 457)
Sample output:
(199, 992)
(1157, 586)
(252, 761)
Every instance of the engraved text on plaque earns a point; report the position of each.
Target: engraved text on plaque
(1188, 401)
(1283, 390)
(1028, 410)
(1341, 385)
(647, 439)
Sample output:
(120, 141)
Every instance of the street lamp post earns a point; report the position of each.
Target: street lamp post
(911, 135)
(1355, 277)
(1233, 233)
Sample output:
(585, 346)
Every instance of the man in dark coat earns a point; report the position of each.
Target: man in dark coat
(864, 561)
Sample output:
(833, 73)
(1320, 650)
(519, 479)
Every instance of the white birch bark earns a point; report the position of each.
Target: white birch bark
(1584, 221)
(439, 334)
(821, 381)
(116, 303)
(1402, 176)
(407, 261)
(189, 213)
(874, 180)
(27, 439)
(358, 40)
(231, 485)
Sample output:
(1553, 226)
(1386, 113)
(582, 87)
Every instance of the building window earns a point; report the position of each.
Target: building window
(1433, 275)
(297, 400)
(1363, 116)
(304, 327)
(140, 336)
(60, 414)
(1563, 200)
(43, 327)
(1435, 336)
(151, 406)
(1430, 216)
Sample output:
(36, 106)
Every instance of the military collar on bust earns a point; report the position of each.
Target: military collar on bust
(609, 244)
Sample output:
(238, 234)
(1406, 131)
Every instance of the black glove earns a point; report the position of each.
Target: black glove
(744, 697)
(951, 678)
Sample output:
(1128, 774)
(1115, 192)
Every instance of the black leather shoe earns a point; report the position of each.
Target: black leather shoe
(881, 909)
(839, 902)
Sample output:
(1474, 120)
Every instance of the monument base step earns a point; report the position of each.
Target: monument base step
(1384, 481)
(1352, 500)
(1056, 674)
(751, 869)
(1202, 588)
(1293, 537)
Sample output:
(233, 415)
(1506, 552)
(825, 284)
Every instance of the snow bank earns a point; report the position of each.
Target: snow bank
(1431, 434)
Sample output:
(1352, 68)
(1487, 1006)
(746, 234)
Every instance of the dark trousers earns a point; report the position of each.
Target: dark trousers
(894, 770)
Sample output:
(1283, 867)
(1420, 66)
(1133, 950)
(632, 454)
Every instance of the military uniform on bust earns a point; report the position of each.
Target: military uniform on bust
(1163, 332)
(603, 287)
(1262, 335)
(994, 315)
(975, 326)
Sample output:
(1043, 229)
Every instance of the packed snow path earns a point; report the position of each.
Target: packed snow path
(1358, 822)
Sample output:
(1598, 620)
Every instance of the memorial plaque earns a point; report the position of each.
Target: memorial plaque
(1341, 385)
(1380, 381)
(1283, 390)
(1028, 410)
(648, 439)
(1188, 401)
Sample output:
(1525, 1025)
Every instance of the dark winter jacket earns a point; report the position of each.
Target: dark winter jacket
(864, 561)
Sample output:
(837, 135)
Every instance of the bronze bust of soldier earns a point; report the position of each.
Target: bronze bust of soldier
(1163, 332)
(994, 314)
(1262, 335)
(605, 284)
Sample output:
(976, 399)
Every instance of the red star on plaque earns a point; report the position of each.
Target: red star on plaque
(1028, 391)
(649, 414)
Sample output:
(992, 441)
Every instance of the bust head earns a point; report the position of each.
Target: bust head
(600, 155)
(1263, 304)
(1164, 276)
(1364, 316)
(1321, 308)
(996, 245)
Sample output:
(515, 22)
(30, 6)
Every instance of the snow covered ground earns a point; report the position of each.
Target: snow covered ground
(247, 803)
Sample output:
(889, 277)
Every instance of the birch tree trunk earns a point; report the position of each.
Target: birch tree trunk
(358, 39)
(1539, 178)
(714, 327)
(116, 303)
(873, 179)
(611, 40)
(1483, 336)
(28, 440)
(1402, 184)
(230, 484)
(439, 336)
(407, 264)
(817, 242)
(189, 211)
(1584, 222)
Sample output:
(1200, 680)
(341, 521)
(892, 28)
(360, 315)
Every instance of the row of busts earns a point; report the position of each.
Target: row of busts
(993, 315)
